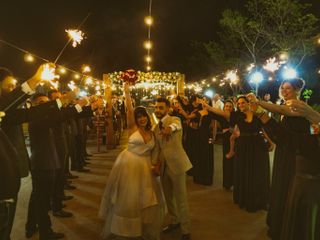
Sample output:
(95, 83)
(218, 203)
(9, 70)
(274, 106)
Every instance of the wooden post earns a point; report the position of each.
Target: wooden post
(98, 132)
(110, 140)
(180, 85)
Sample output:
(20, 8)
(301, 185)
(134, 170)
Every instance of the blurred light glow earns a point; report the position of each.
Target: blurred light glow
(154, 92)
(232, 76)
(250, 67)
(289, 73)
(83, 94)
(284, 56)
(147, 44)
(148, 20)
(257, 77)
(62, 70)
(148, 59)
(209, 93)
(86, 69)
(28, 57)
(88, 81)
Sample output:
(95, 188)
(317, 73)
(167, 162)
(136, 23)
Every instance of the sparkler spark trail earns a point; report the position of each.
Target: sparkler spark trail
(232, 76)
(76, 36)
(72, 85)
(48, 73)
(273, 65)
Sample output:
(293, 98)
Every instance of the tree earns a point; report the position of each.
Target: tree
(286, 25)
(247, 31)
(272, 26)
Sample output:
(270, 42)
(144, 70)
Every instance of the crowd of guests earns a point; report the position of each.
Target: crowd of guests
(250, 128)
(57, 125)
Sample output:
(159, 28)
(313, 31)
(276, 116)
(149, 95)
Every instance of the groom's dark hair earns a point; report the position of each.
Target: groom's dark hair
(164, 100)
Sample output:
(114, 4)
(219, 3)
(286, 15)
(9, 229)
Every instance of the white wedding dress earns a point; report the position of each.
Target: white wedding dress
(132, 204)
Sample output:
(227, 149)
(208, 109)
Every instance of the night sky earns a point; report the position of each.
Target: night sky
(115, 32)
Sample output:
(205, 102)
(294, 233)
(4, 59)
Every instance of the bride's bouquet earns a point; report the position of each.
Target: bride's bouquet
(129, 76)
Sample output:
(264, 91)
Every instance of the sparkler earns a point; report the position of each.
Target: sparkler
(48, 73)
(273, 65)
(75, 36)
(86, 69)
(232, 76)
(250, 67)
(72, 85)
(88, 81)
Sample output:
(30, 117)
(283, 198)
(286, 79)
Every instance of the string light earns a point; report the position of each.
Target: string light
(148, 44)
(148, 59)
(148, 20)
(86, 69)
(62, 70)
(28, 58)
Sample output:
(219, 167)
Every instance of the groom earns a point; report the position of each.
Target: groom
(174, 164)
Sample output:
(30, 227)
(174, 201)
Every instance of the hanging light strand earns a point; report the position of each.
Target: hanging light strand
(148, 44)
(45, 60)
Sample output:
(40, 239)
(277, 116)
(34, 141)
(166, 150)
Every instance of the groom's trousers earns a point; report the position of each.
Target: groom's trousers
(175, 192)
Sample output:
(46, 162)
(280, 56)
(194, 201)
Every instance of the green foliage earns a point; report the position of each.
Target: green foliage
(307, 93)
(286, 24)
(266, 28)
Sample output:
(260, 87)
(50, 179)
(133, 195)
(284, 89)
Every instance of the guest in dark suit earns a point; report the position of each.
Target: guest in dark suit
(44, 163)
(59, 131)
(13, 155)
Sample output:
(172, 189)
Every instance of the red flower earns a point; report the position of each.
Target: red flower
(130, 76)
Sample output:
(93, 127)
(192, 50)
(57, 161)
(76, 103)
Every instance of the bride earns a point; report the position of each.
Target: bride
(132, 202)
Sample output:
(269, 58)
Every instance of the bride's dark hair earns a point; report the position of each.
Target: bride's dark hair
(142, 111)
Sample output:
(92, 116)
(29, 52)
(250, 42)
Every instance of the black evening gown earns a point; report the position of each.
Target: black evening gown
(283, 172)
(227, 164)
(203, 170)
(301, 218)
(191, 144)
(252, 167)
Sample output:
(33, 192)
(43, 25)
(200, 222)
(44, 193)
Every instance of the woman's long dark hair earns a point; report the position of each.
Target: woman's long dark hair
(142, 111)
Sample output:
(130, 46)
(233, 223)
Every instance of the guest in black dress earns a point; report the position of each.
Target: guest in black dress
(252, 168)
(284, 156)
(301, 218)
(201, 144)
(203, 170)
(228, 167)
(192, 131)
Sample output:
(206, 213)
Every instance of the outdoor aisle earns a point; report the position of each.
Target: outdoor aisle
(213, 215)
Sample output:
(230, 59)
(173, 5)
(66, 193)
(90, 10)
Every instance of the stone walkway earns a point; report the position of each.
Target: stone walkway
(213, 215)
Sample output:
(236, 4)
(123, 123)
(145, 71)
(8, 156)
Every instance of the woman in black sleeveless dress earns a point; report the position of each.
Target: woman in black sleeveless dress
(284, 156)
(251, 179)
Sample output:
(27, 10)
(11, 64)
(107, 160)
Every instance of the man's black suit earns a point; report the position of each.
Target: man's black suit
(59, 131)
(44, 163)
(12, 126)
(9, 169)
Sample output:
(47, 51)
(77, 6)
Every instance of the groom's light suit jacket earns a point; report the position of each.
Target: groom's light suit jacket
(171, 151)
